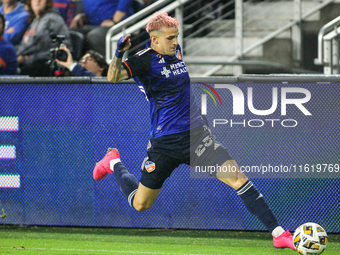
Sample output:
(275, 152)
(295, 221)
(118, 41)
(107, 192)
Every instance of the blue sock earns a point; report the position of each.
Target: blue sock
(127, 182)
(256, 205)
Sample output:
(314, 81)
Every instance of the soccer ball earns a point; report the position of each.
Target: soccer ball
(310, 239)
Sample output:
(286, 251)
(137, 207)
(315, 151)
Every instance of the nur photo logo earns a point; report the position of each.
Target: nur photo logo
(241, 100)
(204, 97)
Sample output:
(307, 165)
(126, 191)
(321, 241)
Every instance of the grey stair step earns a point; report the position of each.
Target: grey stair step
(218, 46)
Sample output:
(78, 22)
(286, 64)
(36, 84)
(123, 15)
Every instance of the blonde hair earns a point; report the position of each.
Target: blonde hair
(159, 21)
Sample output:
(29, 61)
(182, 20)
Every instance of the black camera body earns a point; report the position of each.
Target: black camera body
(57, 53)
(61, 55)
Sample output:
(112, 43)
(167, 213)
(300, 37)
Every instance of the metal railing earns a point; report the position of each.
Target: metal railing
(214, 61)
(331, 52)
(203, 24)
(271, 36)
(332, 25)
(122, 28)
(328, 47)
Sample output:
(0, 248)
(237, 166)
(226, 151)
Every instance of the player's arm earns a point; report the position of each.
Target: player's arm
(117, 72)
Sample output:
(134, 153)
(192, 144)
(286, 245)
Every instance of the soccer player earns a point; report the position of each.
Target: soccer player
(178, 132)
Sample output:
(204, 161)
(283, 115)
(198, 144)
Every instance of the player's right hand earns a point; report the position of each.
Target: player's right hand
(123, 44)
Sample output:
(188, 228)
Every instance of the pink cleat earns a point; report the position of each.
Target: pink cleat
(285, 240)
(104, 166)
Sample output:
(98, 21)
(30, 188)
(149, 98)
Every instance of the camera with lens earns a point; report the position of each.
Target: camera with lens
(57, 53)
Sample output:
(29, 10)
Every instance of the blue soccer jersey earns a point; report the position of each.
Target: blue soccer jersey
(166, 83)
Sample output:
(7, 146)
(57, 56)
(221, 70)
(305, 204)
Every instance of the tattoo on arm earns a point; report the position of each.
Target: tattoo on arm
(115, 70)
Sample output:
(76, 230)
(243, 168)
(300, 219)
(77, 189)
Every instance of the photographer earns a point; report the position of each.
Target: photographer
(34, 50)
(91, 64)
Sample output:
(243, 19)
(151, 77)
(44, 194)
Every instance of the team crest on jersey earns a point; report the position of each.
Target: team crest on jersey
(150, 166)
(159, 55)
(178, 55)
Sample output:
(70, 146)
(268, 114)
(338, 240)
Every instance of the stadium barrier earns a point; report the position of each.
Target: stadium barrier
(282, 130)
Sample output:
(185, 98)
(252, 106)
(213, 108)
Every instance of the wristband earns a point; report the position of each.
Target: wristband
(119, 54)
(120, 46)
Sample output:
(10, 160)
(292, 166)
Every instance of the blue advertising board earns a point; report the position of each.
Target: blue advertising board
(51, 136)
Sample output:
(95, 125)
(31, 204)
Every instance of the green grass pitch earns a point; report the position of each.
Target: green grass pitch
(67, 240)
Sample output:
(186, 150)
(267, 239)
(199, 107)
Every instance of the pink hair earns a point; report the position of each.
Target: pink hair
(160, 20)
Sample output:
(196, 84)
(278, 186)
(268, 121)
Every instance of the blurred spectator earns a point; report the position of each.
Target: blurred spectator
(34, 49)
(8, 58)
(91, 64)
(66, 9)
(99, 16)
(140, 4)
(16, 20)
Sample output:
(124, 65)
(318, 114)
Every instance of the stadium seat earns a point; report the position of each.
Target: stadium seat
(77, 39)
(137, 5)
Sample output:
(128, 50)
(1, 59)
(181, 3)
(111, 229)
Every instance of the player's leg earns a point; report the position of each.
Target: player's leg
(209, 152)
(145, 197)
(254, 201)
(231, 175)
(126, 181)
(155, 169)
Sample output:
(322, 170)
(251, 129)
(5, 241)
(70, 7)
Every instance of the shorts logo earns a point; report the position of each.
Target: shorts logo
(150, 166)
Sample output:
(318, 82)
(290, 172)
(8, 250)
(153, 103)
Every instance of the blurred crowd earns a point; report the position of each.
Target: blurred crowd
(32, 30)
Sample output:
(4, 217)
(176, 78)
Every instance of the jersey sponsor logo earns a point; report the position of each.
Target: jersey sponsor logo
(178, 68)
(150, 166)
(166, 72)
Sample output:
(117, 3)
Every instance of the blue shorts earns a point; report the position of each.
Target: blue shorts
(197, 147)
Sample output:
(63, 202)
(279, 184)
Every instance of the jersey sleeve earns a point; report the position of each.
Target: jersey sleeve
(124, 5)
(139, 64)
